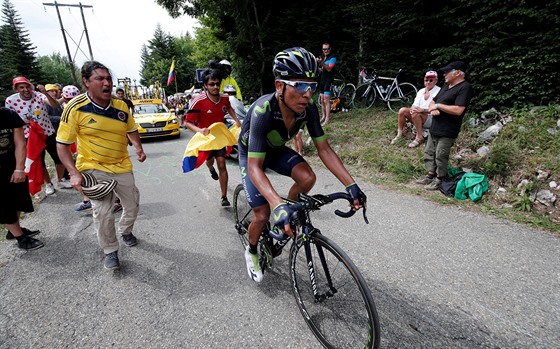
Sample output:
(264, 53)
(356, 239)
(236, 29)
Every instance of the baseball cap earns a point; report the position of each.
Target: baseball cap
(96, 190)
(430, 74)
(50, 87)
(457, 65)
(20, 80)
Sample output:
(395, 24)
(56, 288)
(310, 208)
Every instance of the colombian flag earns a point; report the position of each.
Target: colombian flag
(200, 146)
(172, 73)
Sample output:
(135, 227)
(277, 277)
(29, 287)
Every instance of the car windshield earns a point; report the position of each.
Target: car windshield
(149, 109)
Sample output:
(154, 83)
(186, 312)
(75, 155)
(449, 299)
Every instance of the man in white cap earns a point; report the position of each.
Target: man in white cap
(418, 114)
(448, 109)
(227, 79)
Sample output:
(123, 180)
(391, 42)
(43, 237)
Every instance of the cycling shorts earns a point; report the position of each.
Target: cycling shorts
(281, 161)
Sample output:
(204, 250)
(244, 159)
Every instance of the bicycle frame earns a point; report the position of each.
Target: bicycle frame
(306, 230)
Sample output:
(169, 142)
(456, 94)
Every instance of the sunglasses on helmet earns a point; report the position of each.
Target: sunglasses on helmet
(302, 86)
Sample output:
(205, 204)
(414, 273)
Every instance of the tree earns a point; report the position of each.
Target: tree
(157, 57)
(55, 69)
(512, 48)
(17, 54)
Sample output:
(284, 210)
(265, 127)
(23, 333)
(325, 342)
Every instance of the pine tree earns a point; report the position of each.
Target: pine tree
(17, 53)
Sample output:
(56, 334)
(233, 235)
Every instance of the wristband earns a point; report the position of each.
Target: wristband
(19, 171)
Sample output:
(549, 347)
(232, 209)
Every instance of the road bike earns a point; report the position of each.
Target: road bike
(396, 94)
(342, 90)
(331, 293)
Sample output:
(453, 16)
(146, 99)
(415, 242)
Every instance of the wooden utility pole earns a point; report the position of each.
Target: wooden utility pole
(70, 59)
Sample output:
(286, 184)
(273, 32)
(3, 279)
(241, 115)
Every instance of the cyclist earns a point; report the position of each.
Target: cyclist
(272, 121)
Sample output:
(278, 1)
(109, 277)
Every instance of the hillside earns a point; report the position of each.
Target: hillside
(521, 162)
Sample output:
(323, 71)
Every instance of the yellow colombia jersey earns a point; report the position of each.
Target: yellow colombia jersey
(100, 133)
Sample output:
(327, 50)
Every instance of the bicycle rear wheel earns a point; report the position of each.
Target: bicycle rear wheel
(404, 99)
(347, 96)
(243, 214)
(365, 96)
(343, 314)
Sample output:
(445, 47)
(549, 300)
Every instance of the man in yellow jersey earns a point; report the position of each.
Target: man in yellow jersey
(100, 124)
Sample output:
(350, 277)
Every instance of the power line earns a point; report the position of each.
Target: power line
(70, 59)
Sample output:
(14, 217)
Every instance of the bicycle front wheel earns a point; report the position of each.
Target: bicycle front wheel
(365, 96)
(347, 96)
(243, 214)
(402, 96)
(341, 314)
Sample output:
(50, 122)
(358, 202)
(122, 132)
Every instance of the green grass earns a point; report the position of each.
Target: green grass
(362, 140)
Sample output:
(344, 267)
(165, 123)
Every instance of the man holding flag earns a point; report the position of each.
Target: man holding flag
(206, 109)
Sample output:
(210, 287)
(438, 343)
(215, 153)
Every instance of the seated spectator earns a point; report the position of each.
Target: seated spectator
(418, 114)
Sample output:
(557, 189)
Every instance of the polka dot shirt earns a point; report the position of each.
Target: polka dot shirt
(34, 109)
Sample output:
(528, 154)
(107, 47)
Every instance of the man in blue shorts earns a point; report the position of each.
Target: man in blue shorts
(272, 121)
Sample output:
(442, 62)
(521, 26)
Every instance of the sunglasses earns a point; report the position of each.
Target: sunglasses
(212, 84)
(429, 80)
(327, 49)
(301, 86)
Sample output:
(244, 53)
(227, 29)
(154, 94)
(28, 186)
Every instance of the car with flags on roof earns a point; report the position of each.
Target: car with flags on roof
(154, 119)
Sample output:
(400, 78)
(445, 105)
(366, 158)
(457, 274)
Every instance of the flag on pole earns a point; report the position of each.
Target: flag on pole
(172, 73)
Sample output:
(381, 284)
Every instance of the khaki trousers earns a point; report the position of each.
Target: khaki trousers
(103, 217)
(436, 154)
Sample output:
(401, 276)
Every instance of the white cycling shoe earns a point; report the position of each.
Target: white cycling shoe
(253, 267)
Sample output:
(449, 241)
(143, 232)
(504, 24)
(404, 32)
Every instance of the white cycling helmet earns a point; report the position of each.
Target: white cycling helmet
(230, 89)
(70, 91)
(225, 62)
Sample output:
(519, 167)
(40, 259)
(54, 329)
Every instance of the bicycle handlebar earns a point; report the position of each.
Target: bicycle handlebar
(315, 202)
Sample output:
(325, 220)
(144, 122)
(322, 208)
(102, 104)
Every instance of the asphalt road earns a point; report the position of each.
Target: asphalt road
(441, 277)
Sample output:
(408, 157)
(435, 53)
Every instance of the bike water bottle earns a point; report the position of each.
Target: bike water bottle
(382, 89)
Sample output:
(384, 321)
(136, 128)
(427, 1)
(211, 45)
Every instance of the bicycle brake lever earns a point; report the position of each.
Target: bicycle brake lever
(365, 217)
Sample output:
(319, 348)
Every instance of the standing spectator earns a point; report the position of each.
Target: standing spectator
(448, 109)
(120, 95)
(32, 106)
(227, 79)
(418, 114)
(236, 104)
(107, 160)
(327, 65)
(54, 95)
(14, 190)
(207, 108)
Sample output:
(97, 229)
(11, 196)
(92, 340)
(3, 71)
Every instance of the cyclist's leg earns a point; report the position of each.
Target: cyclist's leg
(304, 180)
(261, 209)
(289, 163)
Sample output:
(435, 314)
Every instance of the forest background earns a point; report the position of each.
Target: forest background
(512, 48)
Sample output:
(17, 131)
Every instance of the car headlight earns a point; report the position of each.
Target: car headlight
(173, 121)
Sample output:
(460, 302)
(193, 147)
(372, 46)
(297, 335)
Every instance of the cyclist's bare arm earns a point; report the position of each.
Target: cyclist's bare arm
(335, 165)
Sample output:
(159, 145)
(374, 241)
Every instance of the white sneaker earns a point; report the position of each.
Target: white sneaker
(253, 267)
(64, 184)
(49, 189)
